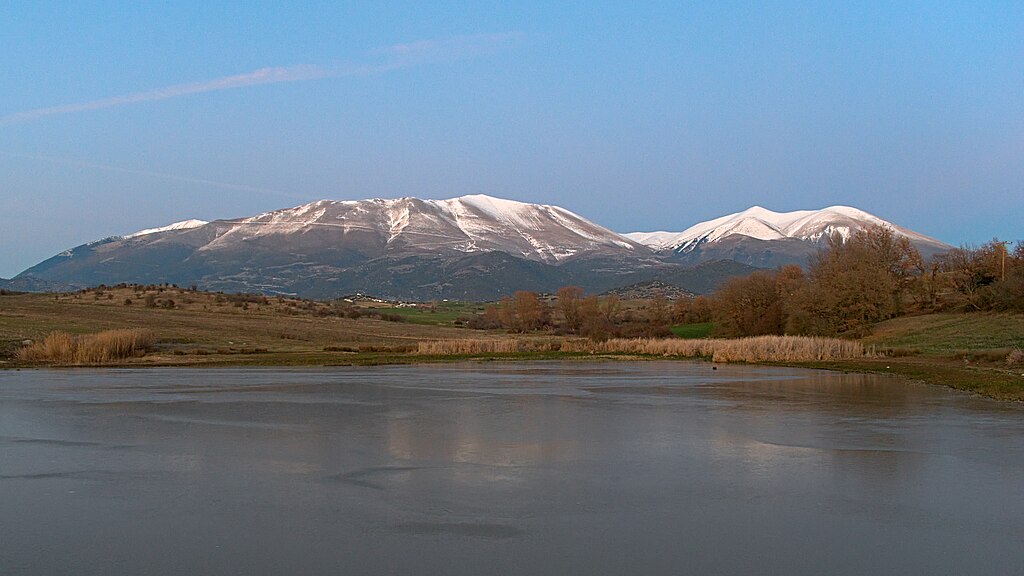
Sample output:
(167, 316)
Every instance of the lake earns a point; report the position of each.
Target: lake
(505, 468)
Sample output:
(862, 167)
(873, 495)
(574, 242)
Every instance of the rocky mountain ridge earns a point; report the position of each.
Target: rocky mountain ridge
(473, 247)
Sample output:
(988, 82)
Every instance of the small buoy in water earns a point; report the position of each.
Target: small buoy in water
(714, 367)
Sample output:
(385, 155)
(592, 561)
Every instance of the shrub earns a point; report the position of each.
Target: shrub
(395, 349)
(340, 349)
(901, 352)
(489, 320)
(1015, 358)
(993, 355)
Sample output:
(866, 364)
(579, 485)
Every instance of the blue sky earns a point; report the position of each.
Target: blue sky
(116, 117)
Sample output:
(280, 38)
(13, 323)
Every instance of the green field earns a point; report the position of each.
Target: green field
(444, 313)
(950, 334)
(702, 330)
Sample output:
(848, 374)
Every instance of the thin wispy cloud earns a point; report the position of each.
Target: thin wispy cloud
(153, 174)
(376, 61)
(448, 48)
(255, 78)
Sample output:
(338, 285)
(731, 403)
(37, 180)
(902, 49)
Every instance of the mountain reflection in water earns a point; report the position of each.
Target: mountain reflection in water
(536, 468)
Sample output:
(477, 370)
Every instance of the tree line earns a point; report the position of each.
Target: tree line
(872, 276)
(849, 286)
(570, 311)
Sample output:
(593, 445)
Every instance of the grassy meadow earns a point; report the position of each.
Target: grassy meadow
(695, 330)
(435, 314)
(207, 328)
(947, 334)
(167, 326)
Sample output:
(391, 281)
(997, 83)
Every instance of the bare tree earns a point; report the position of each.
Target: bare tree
(569, 300)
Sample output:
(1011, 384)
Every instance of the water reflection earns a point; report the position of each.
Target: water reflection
(660, 467)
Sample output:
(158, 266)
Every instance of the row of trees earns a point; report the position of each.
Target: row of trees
(853, 284)
(572, 312)
(990, 277)
(849, 286)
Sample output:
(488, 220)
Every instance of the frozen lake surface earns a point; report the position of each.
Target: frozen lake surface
(502, 468)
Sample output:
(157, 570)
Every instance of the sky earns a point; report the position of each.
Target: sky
(120, 116)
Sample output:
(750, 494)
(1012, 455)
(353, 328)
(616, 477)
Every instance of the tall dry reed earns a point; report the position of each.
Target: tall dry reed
(469, 346)
(100, 348)
(756, 349)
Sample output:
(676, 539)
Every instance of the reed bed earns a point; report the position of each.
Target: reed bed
(755, 349)
(471, 346)
(99, 348)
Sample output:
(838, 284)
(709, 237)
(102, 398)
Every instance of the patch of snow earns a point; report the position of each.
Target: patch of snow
(397, 219)
(183, 225)
(656, 240)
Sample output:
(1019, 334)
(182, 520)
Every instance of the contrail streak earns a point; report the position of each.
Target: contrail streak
(152, 174)
(389, 58)
(261, 76)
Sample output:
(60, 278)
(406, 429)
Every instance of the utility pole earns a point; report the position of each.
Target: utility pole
(1003, 264)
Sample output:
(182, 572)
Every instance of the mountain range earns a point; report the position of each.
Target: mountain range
(473, 247)
(763, 238)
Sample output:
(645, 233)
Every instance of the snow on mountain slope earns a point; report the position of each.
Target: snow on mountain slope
(763, 224)
(183, 225)
(475, 223)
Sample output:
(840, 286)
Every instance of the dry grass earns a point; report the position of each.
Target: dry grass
(757, 349)
(199, 322)
(101, 348)
(480, 346)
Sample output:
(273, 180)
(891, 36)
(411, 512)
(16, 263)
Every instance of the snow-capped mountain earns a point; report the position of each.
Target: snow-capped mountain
(468, 247)
(467, 224)
(762, 224)
(472, 247)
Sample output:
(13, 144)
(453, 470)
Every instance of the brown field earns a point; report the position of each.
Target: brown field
(206, 328)
(980, 353)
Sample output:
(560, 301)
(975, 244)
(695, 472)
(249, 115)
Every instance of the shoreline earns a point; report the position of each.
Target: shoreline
(996, 384)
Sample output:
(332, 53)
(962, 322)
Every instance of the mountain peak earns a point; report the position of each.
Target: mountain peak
(476, 245)
(763, 224)
(380, 226)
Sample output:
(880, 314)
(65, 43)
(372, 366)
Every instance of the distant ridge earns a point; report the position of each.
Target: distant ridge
(763, 224)
(473, 247)
(760, 237)
(650, 289)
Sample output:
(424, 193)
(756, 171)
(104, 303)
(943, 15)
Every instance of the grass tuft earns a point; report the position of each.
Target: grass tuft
(100, 348)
